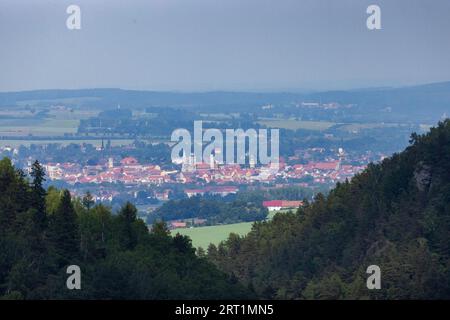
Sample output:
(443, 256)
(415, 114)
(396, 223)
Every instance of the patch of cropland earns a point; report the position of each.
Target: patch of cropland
(202, 237)
(292, 124)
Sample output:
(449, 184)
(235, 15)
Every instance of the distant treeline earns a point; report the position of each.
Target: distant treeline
(214, 211)
(284, 193)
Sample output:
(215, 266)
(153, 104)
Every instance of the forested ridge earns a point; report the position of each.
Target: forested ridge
(44, 231)
(395, 214)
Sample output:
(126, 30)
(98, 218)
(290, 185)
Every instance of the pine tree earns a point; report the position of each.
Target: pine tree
(128, 213)
(38, 195)
(9, 187)
(160, 229)
(127, 217)
(63, 231)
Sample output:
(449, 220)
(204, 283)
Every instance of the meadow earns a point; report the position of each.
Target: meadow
(50, 127)
(56, 122)
(292, 124)
(203, 236)
(21, 127)
(15, 143)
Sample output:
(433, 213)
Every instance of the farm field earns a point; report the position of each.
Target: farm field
(355, 127)
(94, 142)
(49, 127)
(56, 122)
(291, 124)
(203, 236)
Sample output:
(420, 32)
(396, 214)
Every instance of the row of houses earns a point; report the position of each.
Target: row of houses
(130, 172)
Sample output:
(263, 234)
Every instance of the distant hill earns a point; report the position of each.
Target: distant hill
(426, 103)
(395, 215)
(110, 98)
(423, 103)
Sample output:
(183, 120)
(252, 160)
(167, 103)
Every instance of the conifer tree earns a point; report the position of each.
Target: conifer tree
(63, 231)
(38, 195)
(127, 217)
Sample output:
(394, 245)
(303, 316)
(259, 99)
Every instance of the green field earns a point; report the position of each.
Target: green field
(94, 142)
(291, 124)
(49, 127)
(356, 127)
(203, 236)
(57, 122)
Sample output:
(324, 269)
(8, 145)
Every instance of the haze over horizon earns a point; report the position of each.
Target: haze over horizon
(265, 91)
(199, 46)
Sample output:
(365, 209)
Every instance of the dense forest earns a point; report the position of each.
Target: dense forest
(213, 209)
(283, 193)
(44, 231)
(395, 214)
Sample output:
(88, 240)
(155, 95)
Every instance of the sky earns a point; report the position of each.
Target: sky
(233, 45)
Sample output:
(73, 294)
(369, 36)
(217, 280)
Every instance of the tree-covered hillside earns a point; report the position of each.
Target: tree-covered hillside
(395, 215)
(44, 231)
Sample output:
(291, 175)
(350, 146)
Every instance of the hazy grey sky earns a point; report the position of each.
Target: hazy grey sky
(197, 45)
